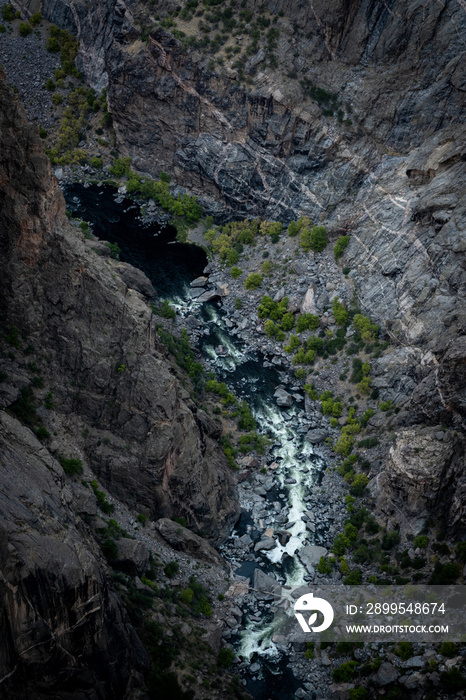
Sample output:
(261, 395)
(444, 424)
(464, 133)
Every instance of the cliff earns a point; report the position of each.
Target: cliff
(82, 368)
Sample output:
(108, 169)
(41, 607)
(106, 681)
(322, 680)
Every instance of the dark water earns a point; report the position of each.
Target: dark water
(169, 265)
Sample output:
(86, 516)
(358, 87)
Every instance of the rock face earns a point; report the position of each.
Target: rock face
(63, 626)
(424, 475)
(104, 361)
(127, 414)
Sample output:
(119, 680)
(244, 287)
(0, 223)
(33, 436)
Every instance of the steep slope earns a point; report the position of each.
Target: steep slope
(74, 332)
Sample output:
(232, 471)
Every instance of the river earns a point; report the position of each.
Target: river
(171, 267)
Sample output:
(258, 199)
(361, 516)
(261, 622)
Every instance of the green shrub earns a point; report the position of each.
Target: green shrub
(404, 650)
(368, 330)
(36, 19)
(354, 578)
(358, 694)
(307, 322)
(340, 544)
(368, 442)
(104, 505)
(340, 246)
(339, 311)
(142, 519)
(110, 549)
(96, 162)
(444, 574)
(421, 541)
(25, 29)
(238, 303)
(452, 681)
(57, 99)
(386, 405)
(2, 29)
(8, 13)
(253, 281)
(390, 539)
(171, 569)
(114, 250)
(324, 566)
(345, 672)
(359, 484)
(166, 310)
(344, 445)
(309, 653)
(120, 167)
(225, 657)
(448, 649)
(53, 45)
(318, 238)
(461, 550)
(236, 272)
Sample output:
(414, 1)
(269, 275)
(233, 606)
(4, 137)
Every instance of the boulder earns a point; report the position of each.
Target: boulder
(316, 436)
(266, 544)
(265, 586)
(199, 282)
(386, 674)
(183, 540)
(310, 555)
(282, 397)
(308, 304)
(133, 557)
(135, 279)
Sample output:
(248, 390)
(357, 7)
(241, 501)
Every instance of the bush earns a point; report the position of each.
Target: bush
(96, 162)
(53, 45)
(345, 672)
(344, 445)
(8, 13)
(421, 541)
(390, 539)
(367, 330)
(104, 505)
(253, 281)
(225, 657)
(368, 442)
(359, 484)
(25, 29)
(339, 311)
(461, 550)
(71, 465)
(36, 19)
(57, 99)
(307, 322)
(318, 238)
(404, 650)
(110, 549)
(324, 566)
(448, 649)
(166, 310)
(114, 250)
(358, 694)
(354, 578)
(171, 569)
(452, 681)
(236, 272)
(444, 574)
(340, 246)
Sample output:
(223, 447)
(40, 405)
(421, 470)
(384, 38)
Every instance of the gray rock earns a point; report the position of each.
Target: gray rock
(316, 436)
(387, 673)
(265, 544)
(264, 586)
(199, 282)
(282, 397)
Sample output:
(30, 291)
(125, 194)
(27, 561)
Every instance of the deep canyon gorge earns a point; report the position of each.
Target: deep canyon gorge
(233, 353)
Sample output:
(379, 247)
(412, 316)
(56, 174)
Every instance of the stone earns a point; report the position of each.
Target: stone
(135, 279)
(387, 673)
(265, 544)
(182, 539)
(311, 554)
(308, 304)
(282, 397)
(133, 556)
(264, 586)
(316, 436)
(199, 282)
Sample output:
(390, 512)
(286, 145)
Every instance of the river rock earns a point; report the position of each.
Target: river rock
(264, 585)
(282, 397)
(210, 295)
(199, 282)
(310, 555)
(266, 544)
(316, 436)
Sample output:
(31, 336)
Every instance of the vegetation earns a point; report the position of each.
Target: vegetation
(71, 465)
(340, 246)
(253, 281)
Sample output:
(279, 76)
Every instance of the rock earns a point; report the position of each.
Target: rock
(223, 289)
(182, 539)
(414, 662)
(282, 397)
(208, 296)
(135, 279)
(316, 436)
(387, 673)
(264, 586)
(308, 304)
(265, 544)
(133, 556)
(213, 636)
(199, 282)
(311, 554)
